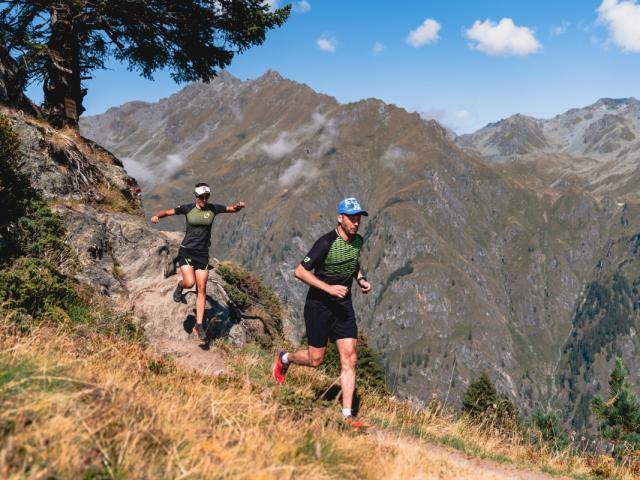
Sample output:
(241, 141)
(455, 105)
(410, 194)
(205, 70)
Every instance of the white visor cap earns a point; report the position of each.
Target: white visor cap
(202, 190)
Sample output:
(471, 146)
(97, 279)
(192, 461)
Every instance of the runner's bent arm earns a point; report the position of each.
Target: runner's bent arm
(362, 281)
(315, 257)
(163, 213)
(310, 279)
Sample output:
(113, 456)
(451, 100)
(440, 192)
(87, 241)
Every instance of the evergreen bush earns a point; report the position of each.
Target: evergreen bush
(484, 405)
(550, 431)
(620, 413)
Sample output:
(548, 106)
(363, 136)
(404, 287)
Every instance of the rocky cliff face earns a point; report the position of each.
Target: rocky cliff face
(119, 254)
(476, 267)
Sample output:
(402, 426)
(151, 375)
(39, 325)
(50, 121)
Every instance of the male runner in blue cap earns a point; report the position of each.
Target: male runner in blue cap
(328, 310)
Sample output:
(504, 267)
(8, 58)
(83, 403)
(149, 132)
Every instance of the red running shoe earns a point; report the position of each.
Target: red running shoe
(354, 423)
(280, 368)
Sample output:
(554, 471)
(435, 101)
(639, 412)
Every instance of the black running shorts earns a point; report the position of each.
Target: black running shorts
(329, 319)
(198, 262)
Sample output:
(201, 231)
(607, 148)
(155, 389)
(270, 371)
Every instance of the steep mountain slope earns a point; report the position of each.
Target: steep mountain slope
(595, 148)
(474, 267)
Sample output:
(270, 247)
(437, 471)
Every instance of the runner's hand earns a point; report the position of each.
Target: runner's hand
(239, 206)
(339, 291)
(364, 286)
(155, 219)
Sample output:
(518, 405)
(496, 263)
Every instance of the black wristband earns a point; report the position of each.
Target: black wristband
(361, 278)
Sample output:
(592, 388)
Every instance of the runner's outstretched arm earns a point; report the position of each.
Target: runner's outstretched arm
(163, 213)
(236, 207)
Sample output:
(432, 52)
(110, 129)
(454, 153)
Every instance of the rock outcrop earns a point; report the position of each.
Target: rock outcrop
(118, 253)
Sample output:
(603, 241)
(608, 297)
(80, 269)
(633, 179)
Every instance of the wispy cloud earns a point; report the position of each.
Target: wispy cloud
(324, 127)
(302, 6)
(298, 170)
(557, 30)
(455, 120)
(623, 20)
(461, 115)
(282, 147)
(503, 38)
(378, 47)
(327, 44)
(394, 155)
(425, 34)
(149, 173)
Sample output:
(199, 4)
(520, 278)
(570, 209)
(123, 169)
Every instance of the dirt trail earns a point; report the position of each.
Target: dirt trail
(447, 463)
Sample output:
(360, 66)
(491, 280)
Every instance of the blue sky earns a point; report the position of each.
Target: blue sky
(471, 63)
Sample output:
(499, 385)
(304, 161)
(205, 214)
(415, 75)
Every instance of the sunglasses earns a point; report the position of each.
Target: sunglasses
(203, 196)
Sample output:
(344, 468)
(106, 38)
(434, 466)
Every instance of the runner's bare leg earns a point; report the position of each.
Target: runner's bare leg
(201, 280)
(188, 277)
(348, 358)
(309, 357)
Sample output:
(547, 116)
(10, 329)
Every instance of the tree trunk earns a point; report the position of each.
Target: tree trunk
(63, 93)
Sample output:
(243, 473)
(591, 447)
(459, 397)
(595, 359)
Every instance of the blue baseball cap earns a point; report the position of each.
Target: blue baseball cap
(351, 206)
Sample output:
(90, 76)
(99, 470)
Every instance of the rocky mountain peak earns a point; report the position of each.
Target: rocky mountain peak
(270, 76)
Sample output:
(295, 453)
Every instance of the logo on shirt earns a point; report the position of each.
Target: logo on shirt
(306, 259)
(207, 214)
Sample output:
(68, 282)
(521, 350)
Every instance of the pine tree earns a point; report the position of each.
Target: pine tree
(61, 42)
(483, 403)
(480, 396)
(550, 430)
(620, 414)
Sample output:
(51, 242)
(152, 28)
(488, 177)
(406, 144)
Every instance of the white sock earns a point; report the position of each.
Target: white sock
(285, 358)
(346, 412)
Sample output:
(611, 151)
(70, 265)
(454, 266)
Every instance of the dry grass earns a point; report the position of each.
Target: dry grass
(114, 201)
(75, 404)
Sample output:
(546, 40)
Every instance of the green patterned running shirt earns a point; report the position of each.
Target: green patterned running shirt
(334, 260)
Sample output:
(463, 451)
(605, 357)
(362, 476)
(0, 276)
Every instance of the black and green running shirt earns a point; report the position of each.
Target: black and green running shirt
(334, 260)
(197, 238)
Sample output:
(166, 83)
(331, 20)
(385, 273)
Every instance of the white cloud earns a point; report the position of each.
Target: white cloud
(503, 38)
(461, 115)
(623, 20)
(297, 171)
(424, 34)
(324, 128)
(328, 133)
(302, 6)
(148, 173)
(433, 114)
(327, 44)
(455, 120)
(378, 47)
(557, 30)
(394, 154)
(282, 147)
